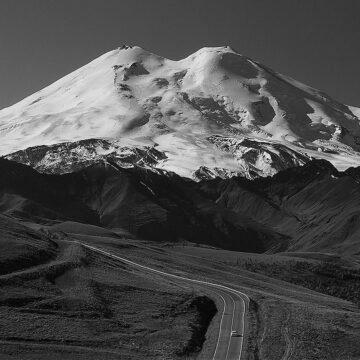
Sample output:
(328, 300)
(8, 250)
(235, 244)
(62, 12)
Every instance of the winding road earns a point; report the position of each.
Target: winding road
(235, 305)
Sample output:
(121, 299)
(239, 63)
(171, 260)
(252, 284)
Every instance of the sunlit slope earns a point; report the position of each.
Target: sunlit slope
(198, 112)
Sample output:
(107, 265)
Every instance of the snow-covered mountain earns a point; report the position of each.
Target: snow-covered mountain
(214, 113)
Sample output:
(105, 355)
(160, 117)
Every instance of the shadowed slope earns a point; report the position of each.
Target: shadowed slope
(309, 208)
(315, 205)
(159, 207)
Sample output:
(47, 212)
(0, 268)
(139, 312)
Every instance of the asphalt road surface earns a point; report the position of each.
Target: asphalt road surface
(235, 305)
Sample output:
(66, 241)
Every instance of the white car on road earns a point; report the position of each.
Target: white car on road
(234, 333)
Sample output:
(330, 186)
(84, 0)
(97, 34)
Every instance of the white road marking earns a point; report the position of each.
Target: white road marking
(221, 321)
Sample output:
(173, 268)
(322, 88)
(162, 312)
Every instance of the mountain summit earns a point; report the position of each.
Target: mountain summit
(214, 113)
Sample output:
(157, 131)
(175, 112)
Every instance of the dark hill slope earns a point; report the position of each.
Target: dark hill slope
(21, 247)
(308, 208)
(159, 207)
(27, 194)
(316, 206)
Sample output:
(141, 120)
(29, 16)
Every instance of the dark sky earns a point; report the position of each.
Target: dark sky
(316, 42)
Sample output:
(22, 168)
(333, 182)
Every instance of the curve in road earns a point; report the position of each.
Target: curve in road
(235, 305)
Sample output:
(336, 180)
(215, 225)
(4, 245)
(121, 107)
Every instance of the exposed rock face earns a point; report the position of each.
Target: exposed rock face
(68, 157)
(254, 158)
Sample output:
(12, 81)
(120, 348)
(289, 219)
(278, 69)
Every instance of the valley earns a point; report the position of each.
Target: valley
(96, 304)
(112, 261)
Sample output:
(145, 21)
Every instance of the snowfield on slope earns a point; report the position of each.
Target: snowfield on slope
(213, 113)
